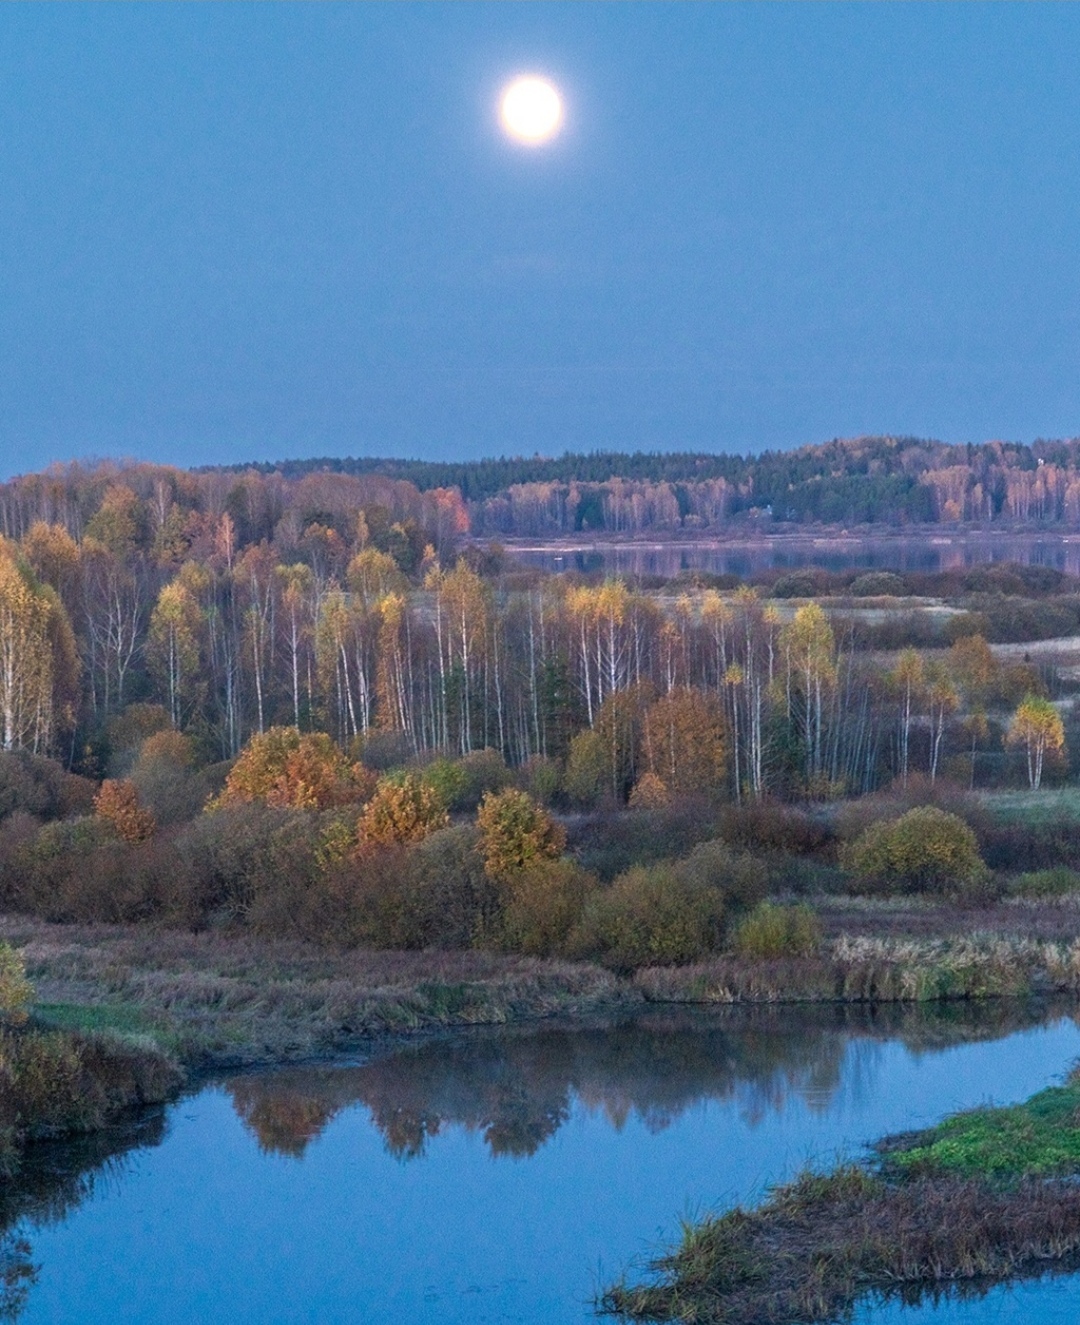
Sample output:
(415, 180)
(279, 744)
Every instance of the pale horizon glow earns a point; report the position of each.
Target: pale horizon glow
(531, 110)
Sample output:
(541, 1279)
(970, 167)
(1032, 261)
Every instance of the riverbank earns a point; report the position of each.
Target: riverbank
(984, 1196)
(216, 1002)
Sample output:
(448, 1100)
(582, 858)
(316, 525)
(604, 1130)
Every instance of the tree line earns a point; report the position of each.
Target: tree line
(339, 605)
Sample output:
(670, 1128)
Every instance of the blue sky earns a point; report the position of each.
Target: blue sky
(236, 232)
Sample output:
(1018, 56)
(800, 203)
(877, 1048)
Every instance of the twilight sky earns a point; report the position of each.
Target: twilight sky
(235, 232)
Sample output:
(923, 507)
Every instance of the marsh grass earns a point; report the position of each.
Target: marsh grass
(59, 1082)
(817, 1245)
(863, 968)
(985, 1195)
(215, 1001)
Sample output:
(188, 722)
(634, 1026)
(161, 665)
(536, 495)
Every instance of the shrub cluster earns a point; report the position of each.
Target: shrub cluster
(924, 850)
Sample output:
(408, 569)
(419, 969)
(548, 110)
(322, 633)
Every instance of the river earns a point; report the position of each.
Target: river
(930, 550)
(500, 1175)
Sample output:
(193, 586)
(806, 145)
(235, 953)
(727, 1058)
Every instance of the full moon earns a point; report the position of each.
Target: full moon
(531, 110)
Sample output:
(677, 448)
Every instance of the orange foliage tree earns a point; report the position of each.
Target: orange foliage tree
(683, 740)
(289, 770)
(117, 803)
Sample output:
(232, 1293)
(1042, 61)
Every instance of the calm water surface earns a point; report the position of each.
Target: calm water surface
(930, 551)
(502, 1176)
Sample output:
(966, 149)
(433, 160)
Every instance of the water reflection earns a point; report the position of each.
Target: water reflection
(669, 1107)
(928, 553)
(57, 1178)
(516, 1088)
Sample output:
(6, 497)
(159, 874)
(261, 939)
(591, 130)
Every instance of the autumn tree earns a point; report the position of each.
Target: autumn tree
(683, 741)
(1037, 726)
(38, 658)
(286, 769)
(515, 833)
(173, 646)
(117, 804)
(809, 650)
(403, 810)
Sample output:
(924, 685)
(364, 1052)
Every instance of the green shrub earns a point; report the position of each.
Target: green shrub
(742, 879)
(1057, 882)
(649, 917)
(778, 931)
(543, 905)
(878, 584)
(925, 850)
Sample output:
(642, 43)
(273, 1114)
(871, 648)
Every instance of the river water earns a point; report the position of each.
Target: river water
(502, 1176)
(930, 551)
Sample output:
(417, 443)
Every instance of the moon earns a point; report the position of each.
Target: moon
(531, 110)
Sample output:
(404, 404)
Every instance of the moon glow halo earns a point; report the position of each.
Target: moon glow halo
(530, 110)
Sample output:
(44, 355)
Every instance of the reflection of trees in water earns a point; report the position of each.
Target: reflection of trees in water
(54, 1180)
(516, 1087)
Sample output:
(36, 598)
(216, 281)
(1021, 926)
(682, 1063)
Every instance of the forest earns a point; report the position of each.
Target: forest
(889, 481)
(310, 704)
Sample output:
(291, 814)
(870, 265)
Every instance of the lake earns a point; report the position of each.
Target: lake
(501, 1175)
(930, 550)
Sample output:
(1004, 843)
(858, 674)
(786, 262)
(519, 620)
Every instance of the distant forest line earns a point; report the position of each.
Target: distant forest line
(869, 480)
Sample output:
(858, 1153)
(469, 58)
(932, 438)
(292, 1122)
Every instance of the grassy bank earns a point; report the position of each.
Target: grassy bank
(223, 1002)
(984, 1196)
(61, 1083)
(214, 1002)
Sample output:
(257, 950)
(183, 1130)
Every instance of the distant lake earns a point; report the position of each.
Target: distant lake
(927, 551)
(501, 1175)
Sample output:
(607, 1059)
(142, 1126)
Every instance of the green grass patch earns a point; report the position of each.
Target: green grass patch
(1048, 805)
(1037, 1139)
(96, 1017)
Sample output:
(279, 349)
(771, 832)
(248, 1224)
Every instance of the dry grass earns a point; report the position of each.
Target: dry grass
(230, 1001)
(820, 1243)
(876, 968)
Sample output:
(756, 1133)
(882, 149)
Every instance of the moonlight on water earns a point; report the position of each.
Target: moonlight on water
(530, 110)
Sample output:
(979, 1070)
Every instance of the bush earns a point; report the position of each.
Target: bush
(403, 809)
(432, 895)
(31, 784)
(541, 778)
(226, 856)
(778, 931)
(854, 817)
(542, 906)
(768, 825)
(611, 844)
(878, 584)
(925, 850)
(1058, 882)
(117, 804)
(516, 833)
(741, 879)
(649, 917)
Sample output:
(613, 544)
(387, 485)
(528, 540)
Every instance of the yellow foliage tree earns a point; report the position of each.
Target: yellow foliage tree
(515, 833)
(38, 658)
(402, 810)
(1037, 726)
